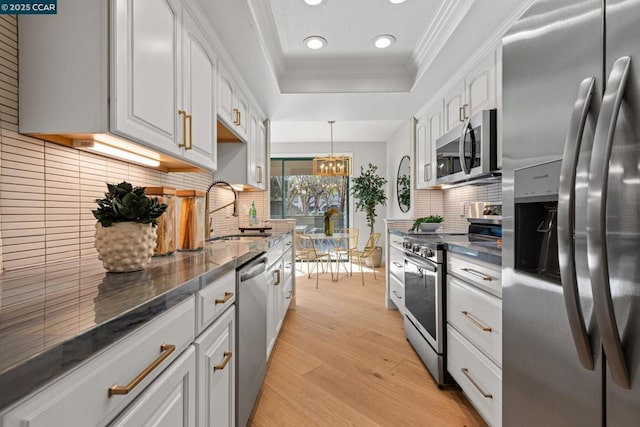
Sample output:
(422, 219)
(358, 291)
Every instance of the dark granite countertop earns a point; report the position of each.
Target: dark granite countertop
(53, 317)
(488, 251)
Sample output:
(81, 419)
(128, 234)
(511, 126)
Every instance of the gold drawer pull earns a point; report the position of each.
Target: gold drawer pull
(227, 356)
(184, 128)
(165, 351)
(227, 297)
(475, 321)
(465, 371)
(278, 278)
(477, 274)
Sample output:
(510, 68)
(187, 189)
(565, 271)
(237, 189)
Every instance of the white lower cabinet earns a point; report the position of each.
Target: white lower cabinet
(474, 332)
(81, 397)
(170, 401)
(480, 378)
(216, 363)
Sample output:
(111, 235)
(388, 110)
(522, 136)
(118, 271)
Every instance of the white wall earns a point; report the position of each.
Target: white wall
(398, 145)
(363, 153)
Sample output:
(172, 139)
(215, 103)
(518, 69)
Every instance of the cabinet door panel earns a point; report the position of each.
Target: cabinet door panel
(216, 383)
(170, 401)
(144, 84)
(453, 102)
(481, 85)
(199, 96)
(226, 96)
(242, 105)
(421, 152)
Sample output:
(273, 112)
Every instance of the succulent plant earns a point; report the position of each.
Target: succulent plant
(430, 218)
(123, 203)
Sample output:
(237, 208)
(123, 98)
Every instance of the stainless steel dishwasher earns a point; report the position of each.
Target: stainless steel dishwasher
(251, 343)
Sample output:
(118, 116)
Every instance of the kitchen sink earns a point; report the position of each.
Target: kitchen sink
(238, 238)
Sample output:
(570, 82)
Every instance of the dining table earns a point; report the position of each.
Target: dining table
(326, 243)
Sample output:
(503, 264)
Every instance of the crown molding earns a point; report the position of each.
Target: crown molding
(268, 38)
(494, 41)
(446, 21)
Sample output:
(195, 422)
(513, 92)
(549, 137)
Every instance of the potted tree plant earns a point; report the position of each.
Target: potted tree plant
(125, 232)
(368, 191)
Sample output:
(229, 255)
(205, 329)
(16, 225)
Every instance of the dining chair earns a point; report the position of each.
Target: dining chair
(342, 253)
(301, 250)
(365, 253)
(311, 255)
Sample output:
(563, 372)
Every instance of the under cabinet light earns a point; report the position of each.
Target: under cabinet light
(314, 2)
(110, 150)
(396, 1)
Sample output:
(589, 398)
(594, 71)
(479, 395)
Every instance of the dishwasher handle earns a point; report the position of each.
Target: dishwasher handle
(258, 269)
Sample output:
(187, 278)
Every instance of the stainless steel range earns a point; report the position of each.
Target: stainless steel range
(425, 284)
(424, 289)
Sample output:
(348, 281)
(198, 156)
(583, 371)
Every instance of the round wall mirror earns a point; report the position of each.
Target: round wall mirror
(403, 184)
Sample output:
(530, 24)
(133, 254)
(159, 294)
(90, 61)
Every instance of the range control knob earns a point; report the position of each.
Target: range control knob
(429, 253)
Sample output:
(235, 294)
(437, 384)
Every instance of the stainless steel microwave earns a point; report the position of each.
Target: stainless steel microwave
(469, 151)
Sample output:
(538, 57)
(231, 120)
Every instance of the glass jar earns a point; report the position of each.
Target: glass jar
(166, 241)
(192, 220)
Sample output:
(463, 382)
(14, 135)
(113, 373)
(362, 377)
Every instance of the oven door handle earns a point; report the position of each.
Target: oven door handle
(420, 262)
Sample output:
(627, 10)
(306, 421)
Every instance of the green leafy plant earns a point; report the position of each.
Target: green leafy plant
(404, 191)
(123, 203)
(430, 218)
(368, 191)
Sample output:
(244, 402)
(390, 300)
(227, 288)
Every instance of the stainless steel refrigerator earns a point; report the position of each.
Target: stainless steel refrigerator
(571, 215)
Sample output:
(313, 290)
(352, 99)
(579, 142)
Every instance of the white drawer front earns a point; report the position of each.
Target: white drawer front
(274, 253)
(396, 293)
(396, 264)
(480, 379)
(477, 315)
(87, 386)
(213, 300)
(479, 273)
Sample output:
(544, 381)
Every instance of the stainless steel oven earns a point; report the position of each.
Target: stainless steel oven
(425, 304)
(469, 151)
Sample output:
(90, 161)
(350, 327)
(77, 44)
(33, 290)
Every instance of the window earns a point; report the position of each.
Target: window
(297, 193)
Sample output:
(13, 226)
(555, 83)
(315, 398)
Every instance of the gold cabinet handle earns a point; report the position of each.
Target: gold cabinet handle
(190, 118)
(236, 119)
(165, 351)
(227, 297)
(478, 274)
(227, 356)
(290, 294)
(184, 128)
(396, 294)
(475, 321)
(239, 117)
(465, 371)
(278, 278)
(460, 114)
(259, 173)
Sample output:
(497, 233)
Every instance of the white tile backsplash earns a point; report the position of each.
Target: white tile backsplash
(47, 191)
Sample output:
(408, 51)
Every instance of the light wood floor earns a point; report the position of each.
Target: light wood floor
(342, 359)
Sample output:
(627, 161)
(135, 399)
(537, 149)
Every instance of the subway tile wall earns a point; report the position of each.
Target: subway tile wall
(47, 191)
(456, 202)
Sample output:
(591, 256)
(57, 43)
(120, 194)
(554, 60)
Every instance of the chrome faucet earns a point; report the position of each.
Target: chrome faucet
(234, 203)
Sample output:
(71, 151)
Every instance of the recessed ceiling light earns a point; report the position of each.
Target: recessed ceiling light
(315, 42)
(384, 41)
(317, 2)
(391, 1)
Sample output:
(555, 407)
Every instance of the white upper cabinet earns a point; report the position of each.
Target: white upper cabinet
(480, 85)
(476, 92)
(479, 90)
(233, 107)
(428, 130)
(454, 102)
(199, 96)
(148, 74)
(257, 153)
(145, 81)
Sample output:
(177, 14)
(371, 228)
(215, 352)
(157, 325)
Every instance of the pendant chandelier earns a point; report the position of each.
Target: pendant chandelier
(332, 165)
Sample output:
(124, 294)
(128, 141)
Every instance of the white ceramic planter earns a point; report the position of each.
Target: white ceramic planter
(125, 246)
